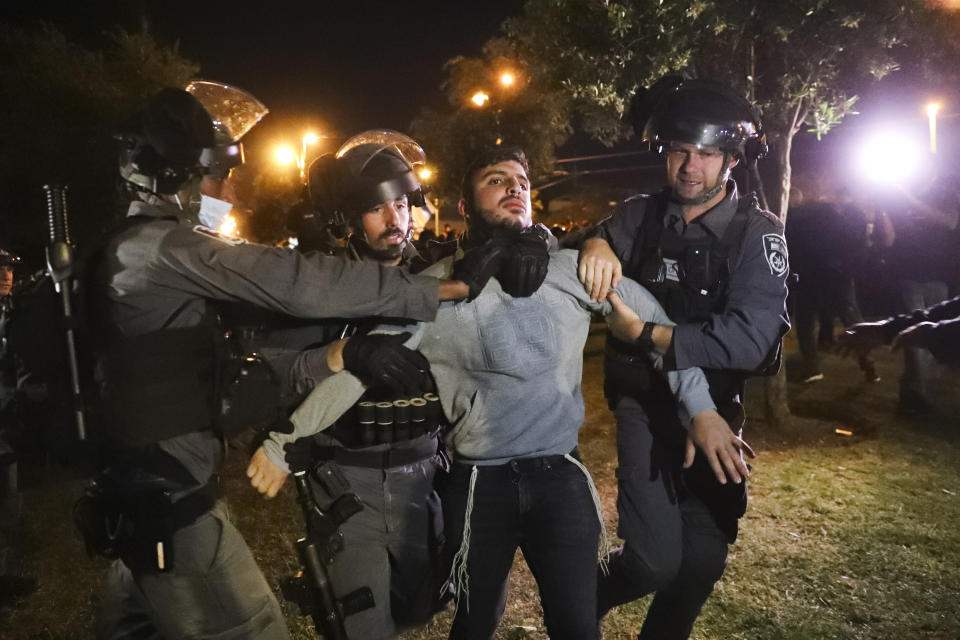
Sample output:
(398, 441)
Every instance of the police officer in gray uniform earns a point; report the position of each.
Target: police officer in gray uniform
(183, 570)
(718, 265)
(392, 546)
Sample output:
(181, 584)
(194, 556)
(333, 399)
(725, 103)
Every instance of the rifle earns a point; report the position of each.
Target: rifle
(311, 588)
(61, 265)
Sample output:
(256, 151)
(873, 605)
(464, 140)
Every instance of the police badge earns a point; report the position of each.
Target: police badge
(775, 249)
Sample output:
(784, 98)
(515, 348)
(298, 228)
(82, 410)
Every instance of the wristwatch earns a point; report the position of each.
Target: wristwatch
(645, 339)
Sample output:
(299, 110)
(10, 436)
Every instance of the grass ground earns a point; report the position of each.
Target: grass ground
(845, 537)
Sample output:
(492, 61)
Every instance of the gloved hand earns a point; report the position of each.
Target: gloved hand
(381, 359)
(481, 262)
(299, 454)
(525, 268)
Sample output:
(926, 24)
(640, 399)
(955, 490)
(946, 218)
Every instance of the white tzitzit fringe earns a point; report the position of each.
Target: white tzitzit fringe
(458, 572)
(606, 544)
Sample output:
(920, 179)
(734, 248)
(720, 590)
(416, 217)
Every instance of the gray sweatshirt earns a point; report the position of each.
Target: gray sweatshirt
(507, 369)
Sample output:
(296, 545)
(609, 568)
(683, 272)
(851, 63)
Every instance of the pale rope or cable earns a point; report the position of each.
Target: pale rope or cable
(606, 544)
(458, 572)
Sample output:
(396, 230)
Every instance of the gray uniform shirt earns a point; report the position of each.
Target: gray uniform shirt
(508, 370)
(161, 274)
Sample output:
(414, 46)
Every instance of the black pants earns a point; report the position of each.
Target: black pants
(673, 546)
(544, 507)
(822, 296)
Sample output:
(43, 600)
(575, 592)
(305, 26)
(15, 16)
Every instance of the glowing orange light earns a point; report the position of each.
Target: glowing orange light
(284, 155)
(480, 98)
(228, 227)
(506, 79)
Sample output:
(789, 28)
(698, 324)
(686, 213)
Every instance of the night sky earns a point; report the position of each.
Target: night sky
(339, 67)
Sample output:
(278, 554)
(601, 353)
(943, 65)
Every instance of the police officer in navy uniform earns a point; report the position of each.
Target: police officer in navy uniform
(183, 570)
(718, 264)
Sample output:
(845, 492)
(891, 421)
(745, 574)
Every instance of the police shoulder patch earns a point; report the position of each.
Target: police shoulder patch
(775, 250)
(210, 233)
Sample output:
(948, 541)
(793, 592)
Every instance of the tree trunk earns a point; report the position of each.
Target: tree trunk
(776, 402)
(785, 144)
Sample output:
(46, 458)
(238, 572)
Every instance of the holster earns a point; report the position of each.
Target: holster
(138, 526)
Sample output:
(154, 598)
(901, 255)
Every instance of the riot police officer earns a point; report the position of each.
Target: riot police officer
(12, 584)
(392, 546)
(183, 570)
(718, 264)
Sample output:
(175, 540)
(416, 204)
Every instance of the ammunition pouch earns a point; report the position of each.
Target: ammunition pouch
(370, 422)
(138, 527)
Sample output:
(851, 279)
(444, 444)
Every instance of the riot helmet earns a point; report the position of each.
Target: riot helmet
(160, 146)
(8, 263)
(371, 168)
(233, 112)
(702, 113)
(699, 112)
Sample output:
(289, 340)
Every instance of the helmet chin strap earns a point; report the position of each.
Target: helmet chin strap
(709, 194)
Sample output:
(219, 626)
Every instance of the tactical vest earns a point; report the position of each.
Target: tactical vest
(690, 278)
(156, 385)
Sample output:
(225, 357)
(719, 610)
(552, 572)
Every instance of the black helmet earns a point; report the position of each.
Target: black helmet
(8, 259)
(360, 176)
(161, 145)
(699, 112)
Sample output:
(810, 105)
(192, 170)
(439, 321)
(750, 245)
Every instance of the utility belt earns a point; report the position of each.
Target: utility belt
(371, 423)
(138, 526)
(406, 453)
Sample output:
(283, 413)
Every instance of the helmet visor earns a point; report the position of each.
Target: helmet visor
(407, 147)
(232, 110)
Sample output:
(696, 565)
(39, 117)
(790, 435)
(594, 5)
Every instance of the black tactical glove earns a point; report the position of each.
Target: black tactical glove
(525, 268)
(299, 454)
(381, 359)
(480, 263)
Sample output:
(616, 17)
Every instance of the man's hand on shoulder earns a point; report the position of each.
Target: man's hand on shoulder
(710, 434)
(266, 477)
(599, 269)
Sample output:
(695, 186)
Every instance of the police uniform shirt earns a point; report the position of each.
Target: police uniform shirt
(754, 316)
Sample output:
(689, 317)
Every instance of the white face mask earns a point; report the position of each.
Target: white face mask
(213, 211)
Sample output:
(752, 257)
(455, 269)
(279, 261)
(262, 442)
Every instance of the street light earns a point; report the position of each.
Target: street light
(932, 109)
(284, 155)
(308, 138)
(506, 78)
(480, 98)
